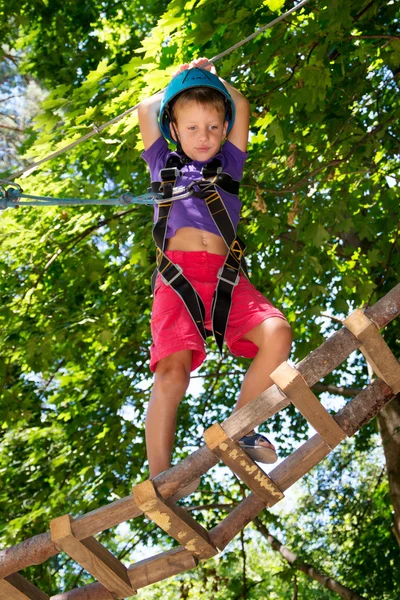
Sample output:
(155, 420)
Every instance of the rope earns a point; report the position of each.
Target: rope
(99, 129)
(258, 31)
(12, 200)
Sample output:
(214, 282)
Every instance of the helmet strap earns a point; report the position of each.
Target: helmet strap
(175, 132)
(186, 159)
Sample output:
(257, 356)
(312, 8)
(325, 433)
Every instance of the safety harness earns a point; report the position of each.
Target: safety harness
(228, 276)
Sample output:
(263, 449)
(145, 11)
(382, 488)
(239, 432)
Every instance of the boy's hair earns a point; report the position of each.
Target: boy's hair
(202, 95)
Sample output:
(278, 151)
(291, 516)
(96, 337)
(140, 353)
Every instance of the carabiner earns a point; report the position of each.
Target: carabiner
(12, 193)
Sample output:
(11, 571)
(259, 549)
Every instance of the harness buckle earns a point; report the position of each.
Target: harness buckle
(169, 174)
(168, 282)
(225, 280)
(210, 171)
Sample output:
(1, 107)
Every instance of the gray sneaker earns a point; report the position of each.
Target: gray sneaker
(251, 445)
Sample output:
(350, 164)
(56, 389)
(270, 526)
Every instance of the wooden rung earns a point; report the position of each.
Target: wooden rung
(240, 463)
(375, 349)
(93, 557)
(174, 520)
(162, 566)
(16, 587)
(296, 389)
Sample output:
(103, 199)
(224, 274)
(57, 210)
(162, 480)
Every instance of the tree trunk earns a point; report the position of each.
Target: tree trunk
(389, 426)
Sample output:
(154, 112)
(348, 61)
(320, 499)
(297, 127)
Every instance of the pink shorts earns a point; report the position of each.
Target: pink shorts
(172, 327)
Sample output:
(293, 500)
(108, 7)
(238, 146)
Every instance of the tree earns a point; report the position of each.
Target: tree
(320, 217)
(342, 505)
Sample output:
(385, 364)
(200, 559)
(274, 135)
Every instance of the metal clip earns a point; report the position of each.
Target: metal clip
(16, 185)
(11, 193)
(169, 174)
(232, 283)
(180, 271)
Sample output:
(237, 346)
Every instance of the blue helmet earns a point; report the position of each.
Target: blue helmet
(186, 80)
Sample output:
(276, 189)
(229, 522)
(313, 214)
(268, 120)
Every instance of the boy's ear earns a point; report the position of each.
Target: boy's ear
(173, 132)
(225, 128)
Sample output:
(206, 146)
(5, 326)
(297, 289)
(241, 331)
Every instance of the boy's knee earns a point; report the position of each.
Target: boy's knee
(283, 334)
(277, 335)
(173, 374)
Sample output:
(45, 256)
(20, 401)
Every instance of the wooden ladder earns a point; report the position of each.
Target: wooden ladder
(152, 498)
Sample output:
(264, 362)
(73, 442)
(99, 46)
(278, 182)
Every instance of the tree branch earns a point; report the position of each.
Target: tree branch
(244, 574)
(337, 390)
(12, 128)
(296, 588)
(309, 570)
(373, 37)
(12, 97)
(218, 506)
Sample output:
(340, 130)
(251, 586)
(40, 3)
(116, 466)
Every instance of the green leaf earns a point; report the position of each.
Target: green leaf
(276, 132)
(274, 4)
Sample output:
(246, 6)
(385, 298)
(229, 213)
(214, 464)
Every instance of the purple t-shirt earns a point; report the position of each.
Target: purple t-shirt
(193, 212)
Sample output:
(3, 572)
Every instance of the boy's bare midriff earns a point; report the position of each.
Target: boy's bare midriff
(190, 239)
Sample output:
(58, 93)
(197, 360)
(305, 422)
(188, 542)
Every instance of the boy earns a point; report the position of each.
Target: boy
(197, 119)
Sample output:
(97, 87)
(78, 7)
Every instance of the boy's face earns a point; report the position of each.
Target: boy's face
(201, 129)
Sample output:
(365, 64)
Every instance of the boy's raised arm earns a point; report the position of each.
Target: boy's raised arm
(148, 111)
(239, 134)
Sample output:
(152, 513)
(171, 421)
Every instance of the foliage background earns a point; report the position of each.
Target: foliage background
(320, 217)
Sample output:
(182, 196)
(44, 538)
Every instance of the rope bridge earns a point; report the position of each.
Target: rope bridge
(151, 498)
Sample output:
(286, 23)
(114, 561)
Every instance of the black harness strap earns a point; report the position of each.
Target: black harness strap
(229, 274)
(171, 273)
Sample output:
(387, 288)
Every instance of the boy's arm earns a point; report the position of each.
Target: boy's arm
(239, 134)
(148, 111)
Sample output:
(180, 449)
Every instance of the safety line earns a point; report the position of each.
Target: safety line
(99, 129)
(12, 198)
(264, 28)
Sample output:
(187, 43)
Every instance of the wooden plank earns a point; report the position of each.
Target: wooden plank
(161, 566)
(240, 463)
(105, 517)
(16, 587)
(93, 557)
(365, 406)
(174, 520)
(375, 349)
(340, 345)
(267, 404)
(300, 462)
(293, 385)
(285, 474)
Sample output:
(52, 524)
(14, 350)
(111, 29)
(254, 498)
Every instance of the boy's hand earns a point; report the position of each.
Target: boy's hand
(180, 69)
(202, 63)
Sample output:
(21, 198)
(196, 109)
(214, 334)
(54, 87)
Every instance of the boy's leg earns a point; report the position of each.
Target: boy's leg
(171, 381)
(273, 337)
